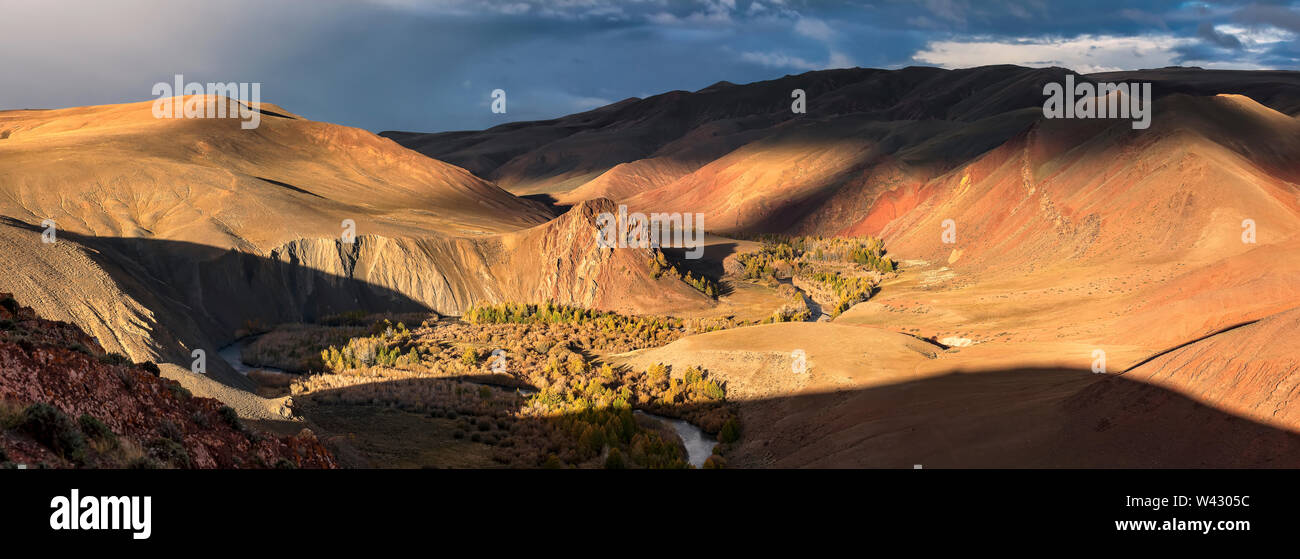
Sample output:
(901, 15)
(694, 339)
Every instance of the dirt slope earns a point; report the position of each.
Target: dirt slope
(1252, 371)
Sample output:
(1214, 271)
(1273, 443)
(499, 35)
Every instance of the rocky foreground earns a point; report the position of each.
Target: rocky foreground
(66, 403)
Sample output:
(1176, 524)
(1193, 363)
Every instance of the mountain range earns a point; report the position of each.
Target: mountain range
(1025, 246)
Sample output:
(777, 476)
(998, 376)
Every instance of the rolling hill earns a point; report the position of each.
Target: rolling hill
(175, 234)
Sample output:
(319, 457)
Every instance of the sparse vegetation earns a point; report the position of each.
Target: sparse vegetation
(297, 347)
(867, 252)
(231, 417)
(55, 429)
(660, 266)
(582, 409)
(730, 432)
(96, 409)
(845, 270)
(848, 290)
(10, 304)
(796, 308)
(114, 359)
(170, 452)
(96, 429)
(180, 392)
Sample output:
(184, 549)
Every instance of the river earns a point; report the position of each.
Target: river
(233, 355)
(699, 445)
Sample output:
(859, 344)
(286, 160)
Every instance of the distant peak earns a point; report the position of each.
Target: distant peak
(724, 84)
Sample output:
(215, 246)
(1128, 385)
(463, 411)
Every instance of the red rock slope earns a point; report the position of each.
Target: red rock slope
(54, 377)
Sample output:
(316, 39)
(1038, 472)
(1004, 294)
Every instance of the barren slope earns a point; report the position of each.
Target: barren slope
(678, 128)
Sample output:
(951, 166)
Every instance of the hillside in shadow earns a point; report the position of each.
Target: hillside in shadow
(202, 297)
(1016, 418)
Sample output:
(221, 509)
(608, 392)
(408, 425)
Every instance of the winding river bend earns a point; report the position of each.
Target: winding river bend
(233, 355)
(699, 445)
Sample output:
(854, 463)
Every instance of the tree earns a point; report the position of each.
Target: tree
(614, 461)
(730, 432)
(469, 357)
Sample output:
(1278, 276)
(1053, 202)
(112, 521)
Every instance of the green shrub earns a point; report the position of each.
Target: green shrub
(55, 429)
(730, 432)
(169, 452)
(231, 417)
(469, 357)
(180, 392)
(169, 430)
(114, 359)
(614, 461)
(143, 463)
(96, 429)
(552, 462)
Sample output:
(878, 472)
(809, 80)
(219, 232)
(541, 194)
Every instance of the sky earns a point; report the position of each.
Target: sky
(431, 65)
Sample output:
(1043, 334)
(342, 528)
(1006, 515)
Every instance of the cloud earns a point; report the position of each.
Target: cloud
(655, 11)
(1087, 53)
(814, 28)
(783, 60)
(839, 60)
(431, 61)
(580, 103)
(1218, 38)
(951, 11)
(1257, 36)
(1141, 16)
(1277, 16)
(779, 60)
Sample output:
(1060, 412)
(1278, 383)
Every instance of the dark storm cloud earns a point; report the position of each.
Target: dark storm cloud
(1207, 31)
(432, 64)
(1285, 17)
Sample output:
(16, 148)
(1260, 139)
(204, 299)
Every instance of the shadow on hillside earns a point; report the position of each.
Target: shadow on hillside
(282, 184)
(709, 264)
(1016, 418)
(556, 208)
(204, 294)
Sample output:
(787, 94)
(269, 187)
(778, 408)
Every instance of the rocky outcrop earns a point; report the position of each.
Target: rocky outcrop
(68, 403)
